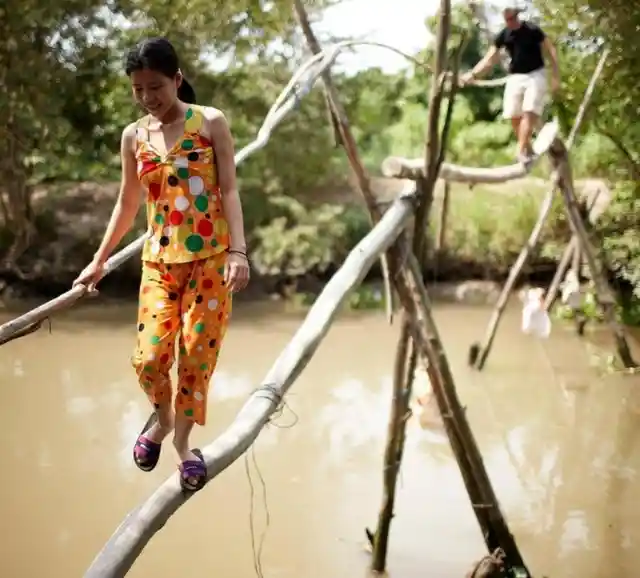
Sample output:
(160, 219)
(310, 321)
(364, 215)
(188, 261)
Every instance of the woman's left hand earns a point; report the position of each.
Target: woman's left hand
(236, 272)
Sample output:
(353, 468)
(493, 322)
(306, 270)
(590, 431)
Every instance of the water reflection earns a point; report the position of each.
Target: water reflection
(227, 386)
(353, 417)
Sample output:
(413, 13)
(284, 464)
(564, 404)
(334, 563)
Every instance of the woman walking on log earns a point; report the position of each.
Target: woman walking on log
(182, 156)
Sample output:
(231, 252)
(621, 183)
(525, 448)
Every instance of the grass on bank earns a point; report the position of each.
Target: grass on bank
(485, 230)
(490, 224)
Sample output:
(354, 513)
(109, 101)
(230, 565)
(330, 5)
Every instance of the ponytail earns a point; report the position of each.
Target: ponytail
(186, 92)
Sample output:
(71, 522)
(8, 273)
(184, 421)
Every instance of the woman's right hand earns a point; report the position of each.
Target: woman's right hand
(90, 276)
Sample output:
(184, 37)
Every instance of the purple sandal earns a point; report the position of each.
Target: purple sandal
(193, 469)
(146, 453)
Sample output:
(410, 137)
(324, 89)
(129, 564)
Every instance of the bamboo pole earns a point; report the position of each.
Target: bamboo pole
(487, 509)
(403, 168)
(426, 185)
(495, 531)
(349, 144)
(576, 261)
(478, 353)
(484, 502)
(140, 525)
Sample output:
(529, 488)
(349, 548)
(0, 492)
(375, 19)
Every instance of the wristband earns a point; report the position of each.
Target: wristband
(238, 252)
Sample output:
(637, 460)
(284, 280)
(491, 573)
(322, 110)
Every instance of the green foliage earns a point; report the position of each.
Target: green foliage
(495, 224)
(483, 144)
(366, 298)
(300, 240)
(373, 101)
(580, 29)
(595, 156)
(65, 102)
(620, 229)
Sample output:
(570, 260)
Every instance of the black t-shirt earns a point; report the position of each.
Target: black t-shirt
(524, 46)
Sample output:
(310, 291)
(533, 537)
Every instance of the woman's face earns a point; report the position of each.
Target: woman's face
(154, 91)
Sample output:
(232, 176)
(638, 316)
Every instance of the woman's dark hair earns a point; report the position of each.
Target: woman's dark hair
(159, 55)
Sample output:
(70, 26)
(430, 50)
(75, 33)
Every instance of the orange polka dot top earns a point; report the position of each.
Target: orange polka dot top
(184, 206)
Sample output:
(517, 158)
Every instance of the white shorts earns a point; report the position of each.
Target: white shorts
(525, 93)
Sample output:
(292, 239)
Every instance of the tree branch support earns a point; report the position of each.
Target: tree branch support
(407, 280)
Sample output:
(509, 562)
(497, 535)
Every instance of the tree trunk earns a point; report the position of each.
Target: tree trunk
(18, 196)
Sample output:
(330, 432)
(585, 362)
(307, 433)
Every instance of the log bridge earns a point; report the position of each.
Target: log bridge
(400, 249)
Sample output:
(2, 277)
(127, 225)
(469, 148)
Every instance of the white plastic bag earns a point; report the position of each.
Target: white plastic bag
(571, 294)
(535, 320)
(424, 406)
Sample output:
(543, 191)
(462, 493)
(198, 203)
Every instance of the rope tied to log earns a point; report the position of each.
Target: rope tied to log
(269, 391)
(256, 550)
(490, 566)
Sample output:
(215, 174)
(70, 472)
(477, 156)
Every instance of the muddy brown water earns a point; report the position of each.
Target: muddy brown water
(561, 441)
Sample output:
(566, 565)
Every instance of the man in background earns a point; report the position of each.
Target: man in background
(525, 93)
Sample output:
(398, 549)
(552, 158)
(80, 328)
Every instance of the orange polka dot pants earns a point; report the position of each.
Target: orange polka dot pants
(188, 301)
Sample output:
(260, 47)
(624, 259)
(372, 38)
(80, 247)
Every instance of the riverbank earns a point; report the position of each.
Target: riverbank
(486, 228)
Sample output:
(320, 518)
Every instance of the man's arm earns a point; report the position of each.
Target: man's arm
(489, 60)
(550, 51)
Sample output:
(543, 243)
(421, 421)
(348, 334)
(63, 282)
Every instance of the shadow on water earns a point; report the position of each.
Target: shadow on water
(560, 440)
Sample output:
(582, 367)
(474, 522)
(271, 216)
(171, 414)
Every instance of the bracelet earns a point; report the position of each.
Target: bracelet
(238, 252)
